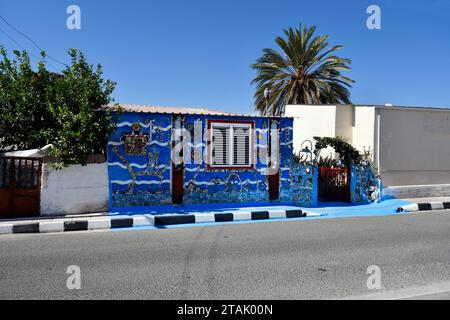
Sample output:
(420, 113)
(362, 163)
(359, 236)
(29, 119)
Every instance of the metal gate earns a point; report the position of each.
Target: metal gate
(20, 182)
(334, 184)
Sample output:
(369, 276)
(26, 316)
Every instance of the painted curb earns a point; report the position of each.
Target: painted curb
(426, 206)
(110, 223)
(52, 226)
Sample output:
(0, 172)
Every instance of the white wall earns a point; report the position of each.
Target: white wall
(344, 122)
(311, 121)
(364, 129)
(75, 189)
(414, 142)
(414, 146)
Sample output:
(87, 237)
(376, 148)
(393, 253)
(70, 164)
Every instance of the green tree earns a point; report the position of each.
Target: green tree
(75, 101)
(306, 71)
(64, 109)
(24, 117)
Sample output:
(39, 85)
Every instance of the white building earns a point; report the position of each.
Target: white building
(409, 145)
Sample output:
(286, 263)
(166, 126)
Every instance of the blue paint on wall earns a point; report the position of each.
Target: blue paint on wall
(365, 187)
(304, 184)
(144, 179)
(141, 178)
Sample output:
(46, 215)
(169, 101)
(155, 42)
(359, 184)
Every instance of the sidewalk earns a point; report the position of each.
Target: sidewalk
(105, 221)
(116, 221)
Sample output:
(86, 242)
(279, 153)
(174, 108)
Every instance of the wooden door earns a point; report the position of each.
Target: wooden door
(177, 160)
(5, 188)
(20, 183)
(274, 152)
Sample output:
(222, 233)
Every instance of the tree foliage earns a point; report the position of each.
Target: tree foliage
(306, 71)
(24, 115)
(347, 152)
(64, 109)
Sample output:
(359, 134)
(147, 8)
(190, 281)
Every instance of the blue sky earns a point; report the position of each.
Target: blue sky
(198, 53)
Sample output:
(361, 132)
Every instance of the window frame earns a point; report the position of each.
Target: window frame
(231, 124)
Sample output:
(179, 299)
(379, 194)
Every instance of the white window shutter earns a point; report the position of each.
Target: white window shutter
(220, 145)
(241, 146)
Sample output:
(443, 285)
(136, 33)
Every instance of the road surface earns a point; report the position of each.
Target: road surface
(309, 259)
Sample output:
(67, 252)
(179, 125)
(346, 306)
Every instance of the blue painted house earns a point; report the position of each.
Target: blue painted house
(161, 156)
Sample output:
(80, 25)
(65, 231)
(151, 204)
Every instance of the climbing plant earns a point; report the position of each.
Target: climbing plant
(346, 151)
(327, 161)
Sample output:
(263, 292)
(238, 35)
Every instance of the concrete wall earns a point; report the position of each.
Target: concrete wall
(311, 121)
(75, 189)
(414, 146)
(364, 129)
(344, 122)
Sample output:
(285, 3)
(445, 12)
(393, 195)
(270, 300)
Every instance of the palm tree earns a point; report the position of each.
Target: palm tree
(305, 72)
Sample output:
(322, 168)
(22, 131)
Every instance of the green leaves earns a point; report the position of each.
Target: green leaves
(78, 95)
(346, 151)
(39, 107)
(22, 114)
(305, 72)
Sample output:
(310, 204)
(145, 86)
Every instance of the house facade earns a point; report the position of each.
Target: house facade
(173, 158)
(409, 145)
(160, 157)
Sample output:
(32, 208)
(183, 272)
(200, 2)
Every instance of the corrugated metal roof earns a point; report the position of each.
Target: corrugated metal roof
(174, 110)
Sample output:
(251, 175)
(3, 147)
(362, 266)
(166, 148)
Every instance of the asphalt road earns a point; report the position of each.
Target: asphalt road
(306, 259)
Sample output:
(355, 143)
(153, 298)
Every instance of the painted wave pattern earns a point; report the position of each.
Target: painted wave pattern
(188, 169)
(286, 143)
(129, 124)
(126, 182)
(162, 128)
(121, 143)
(134, 165)
(192, 170)
(207, 183)
(143, 125)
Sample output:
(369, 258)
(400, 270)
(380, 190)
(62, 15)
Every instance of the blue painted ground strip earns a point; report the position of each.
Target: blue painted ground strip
(328, 210)
(385, 207)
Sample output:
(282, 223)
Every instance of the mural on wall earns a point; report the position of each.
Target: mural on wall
(140, 164)
(305, 177)
(204, 185)
(304, 184)
(286, 159)
(139, 161)
(365, 186)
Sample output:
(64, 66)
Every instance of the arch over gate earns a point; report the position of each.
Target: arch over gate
(334, 183)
